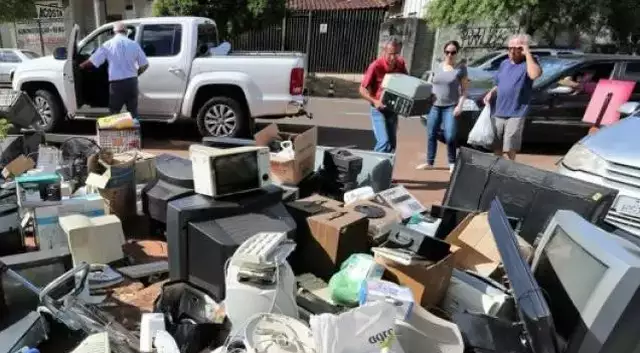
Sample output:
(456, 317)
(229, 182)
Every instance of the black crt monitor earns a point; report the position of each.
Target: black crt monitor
(533, 310)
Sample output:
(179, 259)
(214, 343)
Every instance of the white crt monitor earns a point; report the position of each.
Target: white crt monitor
(221, 172)
(591, 281)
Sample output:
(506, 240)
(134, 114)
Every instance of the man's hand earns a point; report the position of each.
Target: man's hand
(456, 111)
(525, 49)
(378, 104)
(487, 97)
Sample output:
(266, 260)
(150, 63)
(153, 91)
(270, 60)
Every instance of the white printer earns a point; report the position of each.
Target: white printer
(406, 95)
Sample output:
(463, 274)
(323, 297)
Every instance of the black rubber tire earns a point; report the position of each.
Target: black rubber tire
(242, 119)
(57, 110)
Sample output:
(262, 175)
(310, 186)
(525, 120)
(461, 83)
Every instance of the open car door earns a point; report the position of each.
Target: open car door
(69, 71)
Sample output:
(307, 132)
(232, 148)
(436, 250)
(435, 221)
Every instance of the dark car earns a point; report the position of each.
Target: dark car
(555, 115)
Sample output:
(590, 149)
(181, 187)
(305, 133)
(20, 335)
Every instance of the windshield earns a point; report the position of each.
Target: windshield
(483, 59)
(30, 54)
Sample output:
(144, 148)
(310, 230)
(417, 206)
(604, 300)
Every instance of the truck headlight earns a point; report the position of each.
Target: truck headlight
(581, 158)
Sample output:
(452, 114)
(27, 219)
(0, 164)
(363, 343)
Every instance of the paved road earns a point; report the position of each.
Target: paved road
(344, 122)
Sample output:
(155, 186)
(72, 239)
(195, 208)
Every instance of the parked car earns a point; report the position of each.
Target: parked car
(555, 114)
(491, 61)
(10, 59)
(611, 157)
(184, 80)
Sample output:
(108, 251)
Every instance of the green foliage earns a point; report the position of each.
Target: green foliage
(4, 128)
(13, 10)
(233, 17)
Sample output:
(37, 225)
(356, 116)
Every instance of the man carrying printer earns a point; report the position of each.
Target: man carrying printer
(385, 122)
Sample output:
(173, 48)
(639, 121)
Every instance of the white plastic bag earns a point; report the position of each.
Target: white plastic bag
(367, 329)
(482, 133)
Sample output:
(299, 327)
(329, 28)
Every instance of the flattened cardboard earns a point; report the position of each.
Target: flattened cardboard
(291, 172)
(335, 236)
(478, 250)
(18, 166)
(429, 284)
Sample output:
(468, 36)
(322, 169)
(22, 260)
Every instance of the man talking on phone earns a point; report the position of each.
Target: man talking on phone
(513, 90)
(384, 122)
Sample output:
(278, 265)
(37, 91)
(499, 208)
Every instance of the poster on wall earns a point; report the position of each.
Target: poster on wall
(46, 32)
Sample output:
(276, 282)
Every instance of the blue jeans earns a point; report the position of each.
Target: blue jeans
(385, 127)
(441, 116)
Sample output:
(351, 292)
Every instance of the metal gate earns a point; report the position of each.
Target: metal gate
(341, 41)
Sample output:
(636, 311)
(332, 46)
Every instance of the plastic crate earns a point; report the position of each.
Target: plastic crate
(18, 108)
(120, 140)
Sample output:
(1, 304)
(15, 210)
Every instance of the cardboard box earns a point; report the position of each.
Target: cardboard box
(48, 231)
(18, 166)
(377, 226)
(145, 164)
(478, 250)
(334, 237)
(428, 284)
(304, 139)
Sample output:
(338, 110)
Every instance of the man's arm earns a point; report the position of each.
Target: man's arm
(368, 78)
(533, 68)
(143, 63)
(95, 60)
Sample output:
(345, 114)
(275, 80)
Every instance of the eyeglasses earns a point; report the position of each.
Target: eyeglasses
(515, 48)
(447, 52)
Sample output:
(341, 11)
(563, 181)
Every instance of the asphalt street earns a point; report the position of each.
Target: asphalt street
(342, 122)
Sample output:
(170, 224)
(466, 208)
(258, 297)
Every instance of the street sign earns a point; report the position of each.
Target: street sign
(49, 9)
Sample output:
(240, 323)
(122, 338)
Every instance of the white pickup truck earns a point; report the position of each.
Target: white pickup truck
(185, 80)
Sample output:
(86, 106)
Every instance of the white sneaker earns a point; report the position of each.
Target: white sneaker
(451, 168)
(424, 166)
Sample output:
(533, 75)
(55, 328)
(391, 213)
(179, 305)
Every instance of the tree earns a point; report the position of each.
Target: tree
(13, 10)
(233, 17)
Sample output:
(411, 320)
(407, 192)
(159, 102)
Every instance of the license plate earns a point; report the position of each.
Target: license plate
(628, 206)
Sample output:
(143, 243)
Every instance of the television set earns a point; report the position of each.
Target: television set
(592, 280)
(222, 172)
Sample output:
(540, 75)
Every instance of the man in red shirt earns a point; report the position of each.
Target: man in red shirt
(384, 122)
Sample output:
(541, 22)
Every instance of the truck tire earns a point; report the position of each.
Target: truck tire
(222, 117)
(50, 109)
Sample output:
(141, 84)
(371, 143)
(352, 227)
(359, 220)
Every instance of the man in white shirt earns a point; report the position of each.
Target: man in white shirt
(126, 62)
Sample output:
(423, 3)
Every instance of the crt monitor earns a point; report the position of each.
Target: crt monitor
(592, 280)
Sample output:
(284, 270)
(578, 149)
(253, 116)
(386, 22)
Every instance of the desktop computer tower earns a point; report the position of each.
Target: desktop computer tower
(174, 179)
(198, 208)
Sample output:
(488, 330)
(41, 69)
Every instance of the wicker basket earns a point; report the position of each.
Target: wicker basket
(120, 140)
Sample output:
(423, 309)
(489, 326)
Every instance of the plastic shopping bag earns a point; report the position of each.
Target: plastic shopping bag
(482, 133)
(367, 329)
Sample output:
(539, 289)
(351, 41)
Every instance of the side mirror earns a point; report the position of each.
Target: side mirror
(60, 53)
(629, 108)
(560, 90)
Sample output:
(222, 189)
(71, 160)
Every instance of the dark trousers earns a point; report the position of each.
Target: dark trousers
(124, 93)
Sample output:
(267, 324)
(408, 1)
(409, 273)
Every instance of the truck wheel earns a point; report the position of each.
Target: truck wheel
(222, 117)
(50, 109)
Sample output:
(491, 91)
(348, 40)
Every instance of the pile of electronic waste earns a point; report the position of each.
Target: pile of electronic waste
(277, 244)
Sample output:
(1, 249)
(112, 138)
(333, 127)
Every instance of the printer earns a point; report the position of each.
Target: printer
(406, 95)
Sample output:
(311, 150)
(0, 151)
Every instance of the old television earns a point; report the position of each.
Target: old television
(223, 172)
(592, 281)
(406, 95)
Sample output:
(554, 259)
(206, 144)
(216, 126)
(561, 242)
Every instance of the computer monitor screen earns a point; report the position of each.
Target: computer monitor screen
(567, 293)
(236, 172)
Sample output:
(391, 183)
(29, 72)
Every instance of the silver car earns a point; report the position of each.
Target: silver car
(611, 157)
(10, 59)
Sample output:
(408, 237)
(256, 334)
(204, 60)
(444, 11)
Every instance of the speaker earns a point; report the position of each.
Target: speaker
(527, 193)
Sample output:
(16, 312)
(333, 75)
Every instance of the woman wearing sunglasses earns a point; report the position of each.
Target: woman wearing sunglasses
(449, 80)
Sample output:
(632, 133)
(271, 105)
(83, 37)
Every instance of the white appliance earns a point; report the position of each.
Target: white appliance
(94, 240)
(259, 280)
(220, 172)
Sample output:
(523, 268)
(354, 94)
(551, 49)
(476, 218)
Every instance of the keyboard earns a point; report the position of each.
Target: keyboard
(260, 248)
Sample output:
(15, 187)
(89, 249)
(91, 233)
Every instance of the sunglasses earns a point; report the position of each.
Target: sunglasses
(447, 52)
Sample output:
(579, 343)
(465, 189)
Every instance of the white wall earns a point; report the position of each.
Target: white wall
(414, 8)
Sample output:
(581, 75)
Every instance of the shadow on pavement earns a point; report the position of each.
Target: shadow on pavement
(422, 185)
